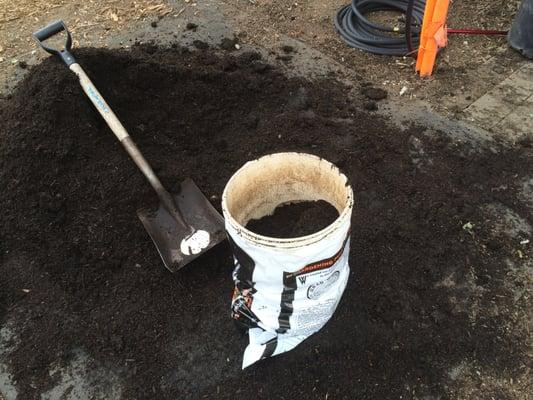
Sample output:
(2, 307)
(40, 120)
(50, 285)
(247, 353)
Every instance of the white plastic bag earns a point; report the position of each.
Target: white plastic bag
(286, 289)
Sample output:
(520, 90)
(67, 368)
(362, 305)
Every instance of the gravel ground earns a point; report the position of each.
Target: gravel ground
(459, 79)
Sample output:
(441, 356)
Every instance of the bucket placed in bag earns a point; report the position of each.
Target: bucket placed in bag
(286, 289)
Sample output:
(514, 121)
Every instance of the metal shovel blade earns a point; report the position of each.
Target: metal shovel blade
(168, 235)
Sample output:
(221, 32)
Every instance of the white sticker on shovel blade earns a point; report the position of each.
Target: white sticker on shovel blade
(195, 243)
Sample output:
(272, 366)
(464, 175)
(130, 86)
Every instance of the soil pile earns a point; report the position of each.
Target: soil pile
(79, 273)
(295, 220)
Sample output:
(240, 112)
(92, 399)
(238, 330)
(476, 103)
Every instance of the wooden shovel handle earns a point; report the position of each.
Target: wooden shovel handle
(122, 135)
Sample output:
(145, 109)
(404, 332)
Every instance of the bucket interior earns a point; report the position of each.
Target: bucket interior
(283, 178)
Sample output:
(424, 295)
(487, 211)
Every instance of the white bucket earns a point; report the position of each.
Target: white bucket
(286, 289)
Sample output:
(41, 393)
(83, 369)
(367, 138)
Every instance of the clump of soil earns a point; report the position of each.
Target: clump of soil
(374, 93)
(287, 48)
(77, 270)
(295, 219)
(228, 44)
(370, 105)
(200, 44)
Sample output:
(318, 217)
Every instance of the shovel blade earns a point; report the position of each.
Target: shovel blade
(168, 235)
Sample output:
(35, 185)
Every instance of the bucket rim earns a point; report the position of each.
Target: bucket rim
(300, 241)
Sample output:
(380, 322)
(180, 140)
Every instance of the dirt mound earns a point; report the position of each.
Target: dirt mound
(79, 272)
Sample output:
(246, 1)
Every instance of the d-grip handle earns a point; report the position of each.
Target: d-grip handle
(50, 30)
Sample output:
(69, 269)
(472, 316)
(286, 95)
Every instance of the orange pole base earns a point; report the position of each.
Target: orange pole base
(433, 36)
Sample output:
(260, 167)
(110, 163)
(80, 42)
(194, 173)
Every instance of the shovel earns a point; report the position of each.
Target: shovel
(185, 225)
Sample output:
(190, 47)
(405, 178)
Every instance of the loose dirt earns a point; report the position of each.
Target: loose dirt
(295, 220)
(429, 309)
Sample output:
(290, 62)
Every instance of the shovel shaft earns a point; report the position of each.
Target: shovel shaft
(98, 101)
(122, 135)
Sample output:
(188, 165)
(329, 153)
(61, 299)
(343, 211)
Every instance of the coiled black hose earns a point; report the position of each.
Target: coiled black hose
(359, 32)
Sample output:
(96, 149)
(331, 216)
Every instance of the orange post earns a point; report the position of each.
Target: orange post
(433, 35)
(428, 16)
